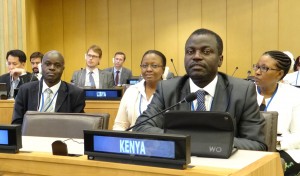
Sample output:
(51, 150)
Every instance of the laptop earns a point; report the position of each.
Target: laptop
(3, 91)
(212, 133)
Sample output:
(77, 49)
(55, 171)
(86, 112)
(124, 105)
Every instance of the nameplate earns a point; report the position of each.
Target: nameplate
(103, 94)
(10, 138)
(172, 151)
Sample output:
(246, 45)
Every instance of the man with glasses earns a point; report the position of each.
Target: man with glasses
(215, 91)
(92, 76)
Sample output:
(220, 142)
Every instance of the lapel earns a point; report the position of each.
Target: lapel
(123, 74)
(35, 93)
(222, 94)
(82, 76)
(185, 90)
(101, 79)
(61, 95)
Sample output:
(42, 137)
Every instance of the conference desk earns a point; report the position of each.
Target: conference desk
(92, 106)
(242, 163)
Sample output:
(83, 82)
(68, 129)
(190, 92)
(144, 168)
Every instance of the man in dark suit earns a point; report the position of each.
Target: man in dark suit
(121, 74)
(91, 76)
(203, 56)
(50, 94)
(17, 75)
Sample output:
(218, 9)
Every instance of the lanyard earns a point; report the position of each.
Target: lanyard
(50, 101)
(297, 78)
(266, 108)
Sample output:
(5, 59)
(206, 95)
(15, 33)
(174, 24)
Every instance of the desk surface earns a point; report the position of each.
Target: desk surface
(92, 106)
(41, 163)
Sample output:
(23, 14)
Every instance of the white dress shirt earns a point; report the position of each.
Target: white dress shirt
(95, 76)
(54, 95)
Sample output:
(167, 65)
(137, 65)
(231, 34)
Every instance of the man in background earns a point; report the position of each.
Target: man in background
(35, 60)
(121, 74)
(17, 75)
(50, 94)
(92, 76)
(215, 91)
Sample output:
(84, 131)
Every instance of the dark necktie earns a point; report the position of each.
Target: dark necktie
(117, 78)
(200, 100)
(92, 81)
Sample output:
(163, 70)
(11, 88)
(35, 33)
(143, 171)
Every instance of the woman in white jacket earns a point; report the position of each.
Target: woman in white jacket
(283, 98)
(137, 97)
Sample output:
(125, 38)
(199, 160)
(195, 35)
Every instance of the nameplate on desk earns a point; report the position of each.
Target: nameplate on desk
(10, 138)
(103, 94)
(161, 150)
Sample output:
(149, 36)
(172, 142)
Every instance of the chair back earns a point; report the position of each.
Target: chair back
(271, 118)
(66, 125)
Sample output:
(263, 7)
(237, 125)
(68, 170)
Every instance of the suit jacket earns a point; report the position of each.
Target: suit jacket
(106, 79)
(70, 99)
(23, 79)
(125, 74)
(233, 95)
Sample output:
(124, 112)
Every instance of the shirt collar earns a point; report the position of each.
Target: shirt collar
(53, 88)
(117, 70)
(210, 88)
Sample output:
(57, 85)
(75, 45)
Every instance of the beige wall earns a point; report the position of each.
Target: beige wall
(247, 27)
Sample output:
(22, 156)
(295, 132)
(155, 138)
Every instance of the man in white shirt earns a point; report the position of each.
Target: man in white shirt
(92, 76)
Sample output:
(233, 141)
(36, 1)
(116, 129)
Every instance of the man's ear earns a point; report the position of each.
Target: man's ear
(220, 60)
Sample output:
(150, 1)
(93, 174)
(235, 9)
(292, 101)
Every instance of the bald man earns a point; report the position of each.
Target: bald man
(50, 94)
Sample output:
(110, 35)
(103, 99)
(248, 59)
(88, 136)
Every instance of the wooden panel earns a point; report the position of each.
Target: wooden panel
(97, 28)
(214, 18)
(32, 28)
(289, 26)
(74, 36)
(119, 29)
(189, 19)
(142, 20)
(265, 28)
(50, 23)
(239, 37)
(166, 38)
(111, 107)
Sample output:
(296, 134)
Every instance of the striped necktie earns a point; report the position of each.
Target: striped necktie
(117, 78)
(48, 101)
(92, 81)
(201, 100)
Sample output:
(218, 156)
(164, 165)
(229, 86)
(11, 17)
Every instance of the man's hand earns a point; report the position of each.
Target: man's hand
(16, 72)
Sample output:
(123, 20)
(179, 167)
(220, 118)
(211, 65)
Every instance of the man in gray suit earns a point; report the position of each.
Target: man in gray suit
(91, 76)
(121, 74)
(203, 56)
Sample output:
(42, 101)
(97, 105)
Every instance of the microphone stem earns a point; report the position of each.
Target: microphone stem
(161, 112)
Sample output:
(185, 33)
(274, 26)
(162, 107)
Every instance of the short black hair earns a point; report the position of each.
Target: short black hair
(203, 31)
(297, 61)
(283, 60)
(17, 53)
(160, 54)
(37, 55)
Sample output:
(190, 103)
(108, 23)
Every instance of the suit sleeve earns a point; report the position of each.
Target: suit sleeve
(19, 109)
(79, 104)
(110, 80)
(250, 135)
(154, 125)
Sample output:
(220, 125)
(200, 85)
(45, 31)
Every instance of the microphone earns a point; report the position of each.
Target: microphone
(248, 73)
(174, 66)
(236, 68)
(189, 98)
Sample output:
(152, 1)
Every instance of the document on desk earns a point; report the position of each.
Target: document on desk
(238, 160)
(44, 144)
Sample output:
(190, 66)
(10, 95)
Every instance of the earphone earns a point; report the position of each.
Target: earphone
(38, 105)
